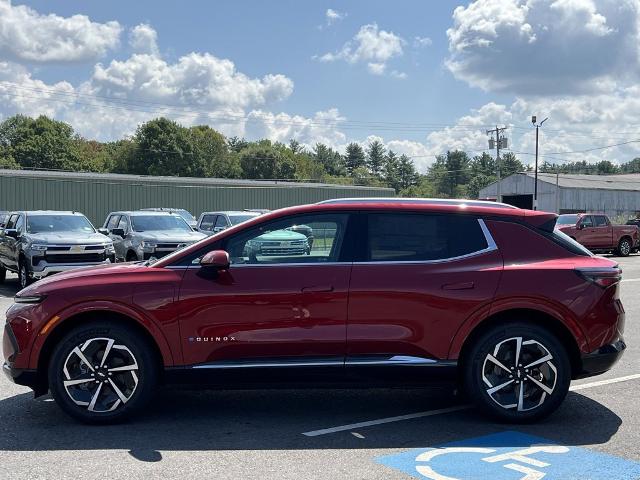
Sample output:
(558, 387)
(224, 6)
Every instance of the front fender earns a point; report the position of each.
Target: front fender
(95, 306)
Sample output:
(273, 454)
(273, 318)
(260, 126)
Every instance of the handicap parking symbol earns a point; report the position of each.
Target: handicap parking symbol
(510, 456)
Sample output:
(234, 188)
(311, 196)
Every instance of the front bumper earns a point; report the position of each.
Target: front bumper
(26, 377)
(55, 268)
(602, 359)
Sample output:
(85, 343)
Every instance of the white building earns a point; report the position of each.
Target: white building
(615, 195)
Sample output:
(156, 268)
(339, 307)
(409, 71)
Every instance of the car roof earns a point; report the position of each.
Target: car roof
(135, 213)
(232, 212)
(47, 212)
(418, 201)
(163, 209)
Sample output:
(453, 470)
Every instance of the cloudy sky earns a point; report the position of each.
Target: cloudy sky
(423, 76)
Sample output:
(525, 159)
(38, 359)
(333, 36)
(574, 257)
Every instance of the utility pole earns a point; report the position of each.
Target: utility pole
(497, 143)
(535, 186)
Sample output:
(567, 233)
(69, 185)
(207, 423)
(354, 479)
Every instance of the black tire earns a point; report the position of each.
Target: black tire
(3, 274)
(135, 385)
(624, 247)
(23, 274)
(505, 404)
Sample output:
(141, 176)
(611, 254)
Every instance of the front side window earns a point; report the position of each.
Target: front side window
(147, 223)
(601, 221)
(586, 221)
(236, 219)
(207, 222)
(12, 222)
(113, 221)
(123, 223)
(19, 224)
(409, 237)
(279, 243)
(58, 223)
(221, 222)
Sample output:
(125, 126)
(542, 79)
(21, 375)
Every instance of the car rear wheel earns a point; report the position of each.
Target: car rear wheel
(517, 372)
(624, 247)
(102, 372)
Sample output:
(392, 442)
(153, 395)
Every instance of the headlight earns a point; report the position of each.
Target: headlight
(38, 248)
(148, 246)
(29, 298)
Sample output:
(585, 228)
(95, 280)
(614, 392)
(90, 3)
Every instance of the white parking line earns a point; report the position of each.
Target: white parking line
(630, 280)
(441, 411)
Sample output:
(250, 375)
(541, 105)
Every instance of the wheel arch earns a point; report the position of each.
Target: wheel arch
(160, 349)
(537, 317)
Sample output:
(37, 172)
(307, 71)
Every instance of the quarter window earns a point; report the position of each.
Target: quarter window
(417, 237)
(300, 239)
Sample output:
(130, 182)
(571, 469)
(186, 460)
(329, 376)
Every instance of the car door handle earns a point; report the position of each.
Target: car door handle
(458, 286)
(317, 289)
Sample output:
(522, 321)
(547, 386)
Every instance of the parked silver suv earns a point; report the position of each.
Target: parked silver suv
(143, 235)
(38, 243)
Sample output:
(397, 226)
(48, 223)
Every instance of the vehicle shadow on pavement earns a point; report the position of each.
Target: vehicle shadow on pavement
(275, 420)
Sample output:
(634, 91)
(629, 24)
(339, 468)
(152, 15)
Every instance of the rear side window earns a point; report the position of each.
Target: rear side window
(401, 237)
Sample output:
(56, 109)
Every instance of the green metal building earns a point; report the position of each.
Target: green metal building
(97, 194)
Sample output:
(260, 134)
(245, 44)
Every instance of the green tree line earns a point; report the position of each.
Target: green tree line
(164, 147)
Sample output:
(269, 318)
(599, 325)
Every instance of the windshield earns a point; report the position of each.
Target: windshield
(142, 223)
(58, 223)
(236, 219)
(567, 220)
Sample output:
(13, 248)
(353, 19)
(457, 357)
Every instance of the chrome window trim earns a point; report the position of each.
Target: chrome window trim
(491, 247)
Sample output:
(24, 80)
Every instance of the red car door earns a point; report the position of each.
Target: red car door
(603, 231)
(422, 276)
(586, 233)
(279, 303)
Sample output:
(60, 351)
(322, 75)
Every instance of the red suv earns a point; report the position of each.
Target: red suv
(393, 292)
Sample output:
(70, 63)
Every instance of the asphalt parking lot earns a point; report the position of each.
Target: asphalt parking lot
(336, 434)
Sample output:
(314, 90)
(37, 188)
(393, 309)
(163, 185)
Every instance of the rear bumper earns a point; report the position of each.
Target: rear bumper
(601, 360)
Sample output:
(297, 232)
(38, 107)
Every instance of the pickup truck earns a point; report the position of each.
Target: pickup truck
(596, 232)
(39, 243)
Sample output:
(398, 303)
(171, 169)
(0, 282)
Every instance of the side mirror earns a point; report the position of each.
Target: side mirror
(216, 259)
(11, 232)
(119, 232)
(580, 226)
(103, 231)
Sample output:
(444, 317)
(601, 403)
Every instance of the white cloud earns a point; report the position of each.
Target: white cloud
(421, 42)
(544, 46)
(28, 36)
(196, 79)
(332, 16)
(370, 45)
(144, 39)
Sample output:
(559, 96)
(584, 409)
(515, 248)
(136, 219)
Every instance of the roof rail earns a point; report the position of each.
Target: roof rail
(423, 201)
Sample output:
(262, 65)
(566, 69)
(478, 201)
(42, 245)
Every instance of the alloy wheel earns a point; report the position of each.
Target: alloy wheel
(519, 374)
(100, 374)
(625, 248)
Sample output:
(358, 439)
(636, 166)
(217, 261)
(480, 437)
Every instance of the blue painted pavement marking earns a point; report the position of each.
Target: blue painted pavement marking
(510, 456)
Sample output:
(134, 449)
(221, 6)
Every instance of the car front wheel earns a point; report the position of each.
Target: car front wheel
(517, 372)
(23, 275)
(102, 372)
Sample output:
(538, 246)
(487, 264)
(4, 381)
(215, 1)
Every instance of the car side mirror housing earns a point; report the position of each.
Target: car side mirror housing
(11, 232)
(216, 259)
(103, 231)
(118, 232)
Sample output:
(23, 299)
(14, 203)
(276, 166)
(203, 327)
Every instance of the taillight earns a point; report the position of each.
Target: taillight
(603, 277)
